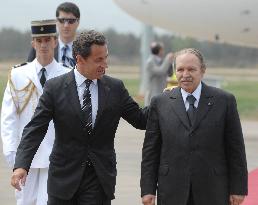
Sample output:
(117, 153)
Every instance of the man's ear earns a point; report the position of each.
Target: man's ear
(80, 59)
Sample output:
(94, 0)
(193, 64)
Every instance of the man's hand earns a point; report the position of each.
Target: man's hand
(236, 199)
(18, 178)
(170, 56)
(148, 199)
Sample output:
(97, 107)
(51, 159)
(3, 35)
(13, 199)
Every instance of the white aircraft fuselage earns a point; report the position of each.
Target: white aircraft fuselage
(231, 21)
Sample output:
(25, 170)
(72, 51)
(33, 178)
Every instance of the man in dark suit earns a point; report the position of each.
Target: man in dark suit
(86, 107)
(68, 18)
(193, 152)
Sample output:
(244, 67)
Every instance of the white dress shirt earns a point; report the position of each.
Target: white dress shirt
(49, 69)
(196, 94)
(80, 82)
(69, 51)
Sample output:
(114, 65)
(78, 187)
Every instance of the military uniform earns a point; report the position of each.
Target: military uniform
(19, 102)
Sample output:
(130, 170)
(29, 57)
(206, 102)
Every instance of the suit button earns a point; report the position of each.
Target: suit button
(83, 164)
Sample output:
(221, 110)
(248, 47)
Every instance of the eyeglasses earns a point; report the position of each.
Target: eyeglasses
(69, 21)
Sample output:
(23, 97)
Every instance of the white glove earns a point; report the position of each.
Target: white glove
(10, 158)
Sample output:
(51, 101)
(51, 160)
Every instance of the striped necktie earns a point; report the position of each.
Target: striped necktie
(65, 59)
(87, 107)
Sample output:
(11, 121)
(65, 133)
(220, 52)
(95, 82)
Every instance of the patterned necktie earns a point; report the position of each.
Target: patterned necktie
(192, 110)
(65, 48)
(43, 77)
(65, 59)
(87, 107)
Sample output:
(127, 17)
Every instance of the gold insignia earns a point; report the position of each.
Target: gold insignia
(21, 97)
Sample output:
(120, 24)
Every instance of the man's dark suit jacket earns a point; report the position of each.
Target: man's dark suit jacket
(32, 54)
(73, 145)
(210, 155)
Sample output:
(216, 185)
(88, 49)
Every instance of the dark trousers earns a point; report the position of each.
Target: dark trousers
(90, 192)
(190, 200)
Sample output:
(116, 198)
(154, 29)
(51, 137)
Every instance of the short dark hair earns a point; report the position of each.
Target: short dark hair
(155, 47)
(84, 41)
(68, 7)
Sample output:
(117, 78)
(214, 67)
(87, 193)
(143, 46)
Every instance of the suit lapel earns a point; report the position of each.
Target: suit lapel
(179, 107)
(205, 104)
(72, 94)
(103, 94)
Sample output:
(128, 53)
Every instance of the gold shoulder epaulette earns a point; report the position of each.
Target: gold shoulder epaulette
(19, 65)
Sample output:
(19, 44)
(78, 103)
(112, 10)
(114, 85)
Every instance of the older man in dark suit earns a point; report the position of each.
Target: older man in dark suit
(193, 152)
(86, 107)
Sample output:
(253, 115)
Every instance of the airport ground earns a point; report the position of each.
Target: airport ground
(129, 141)
(128, 145)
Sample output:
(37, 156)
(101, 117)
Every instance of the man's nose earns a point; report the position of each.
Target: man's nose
(105, 64)
(186, 73)
(66, 24)
(43, 44)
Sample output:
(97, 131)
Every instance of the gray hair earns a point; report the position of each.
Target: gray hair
(193, 51)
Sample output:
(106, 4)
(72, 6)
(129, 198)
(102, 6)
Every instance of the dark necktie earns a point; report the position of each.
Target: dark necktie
(43, 77)
(65, 59)
(192, 110)
(64, 53)
(87, 107)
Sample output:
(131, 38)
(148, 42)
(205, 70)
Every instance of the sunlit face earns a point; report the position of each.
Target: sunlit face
(93, 66)
(67, 30)
(189, 72)
(44, 46)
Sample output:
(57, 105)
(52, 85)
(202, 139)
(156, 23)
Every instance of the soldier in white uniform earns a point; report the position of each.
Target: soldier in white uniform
(24, 87)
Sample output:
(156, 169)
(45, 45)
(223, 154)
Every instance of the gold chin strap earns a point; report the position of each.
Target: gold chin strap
(17, 99)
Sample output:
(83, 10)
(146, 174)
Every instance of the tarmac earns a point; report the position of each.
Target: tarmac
(128, 146)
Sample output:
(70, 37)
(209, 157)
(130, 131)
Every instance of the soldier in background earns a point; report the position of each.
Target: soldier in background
(24, 87)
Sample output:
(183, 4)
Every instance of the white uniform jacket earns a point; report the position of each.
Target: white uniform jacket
(19, 102)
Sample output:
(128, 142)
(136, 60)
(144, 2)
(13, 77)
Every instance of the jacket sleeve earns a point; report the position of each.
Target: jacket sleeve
(235, 150)
(131, 111)
(151, 153)
(9, 122)
(34, 132)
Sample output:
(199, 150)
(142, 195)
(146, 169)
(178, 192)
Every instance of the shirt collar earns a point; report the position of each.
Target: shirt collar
(79, 78)
(61, 44)
(196, 93)
(48, 67)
